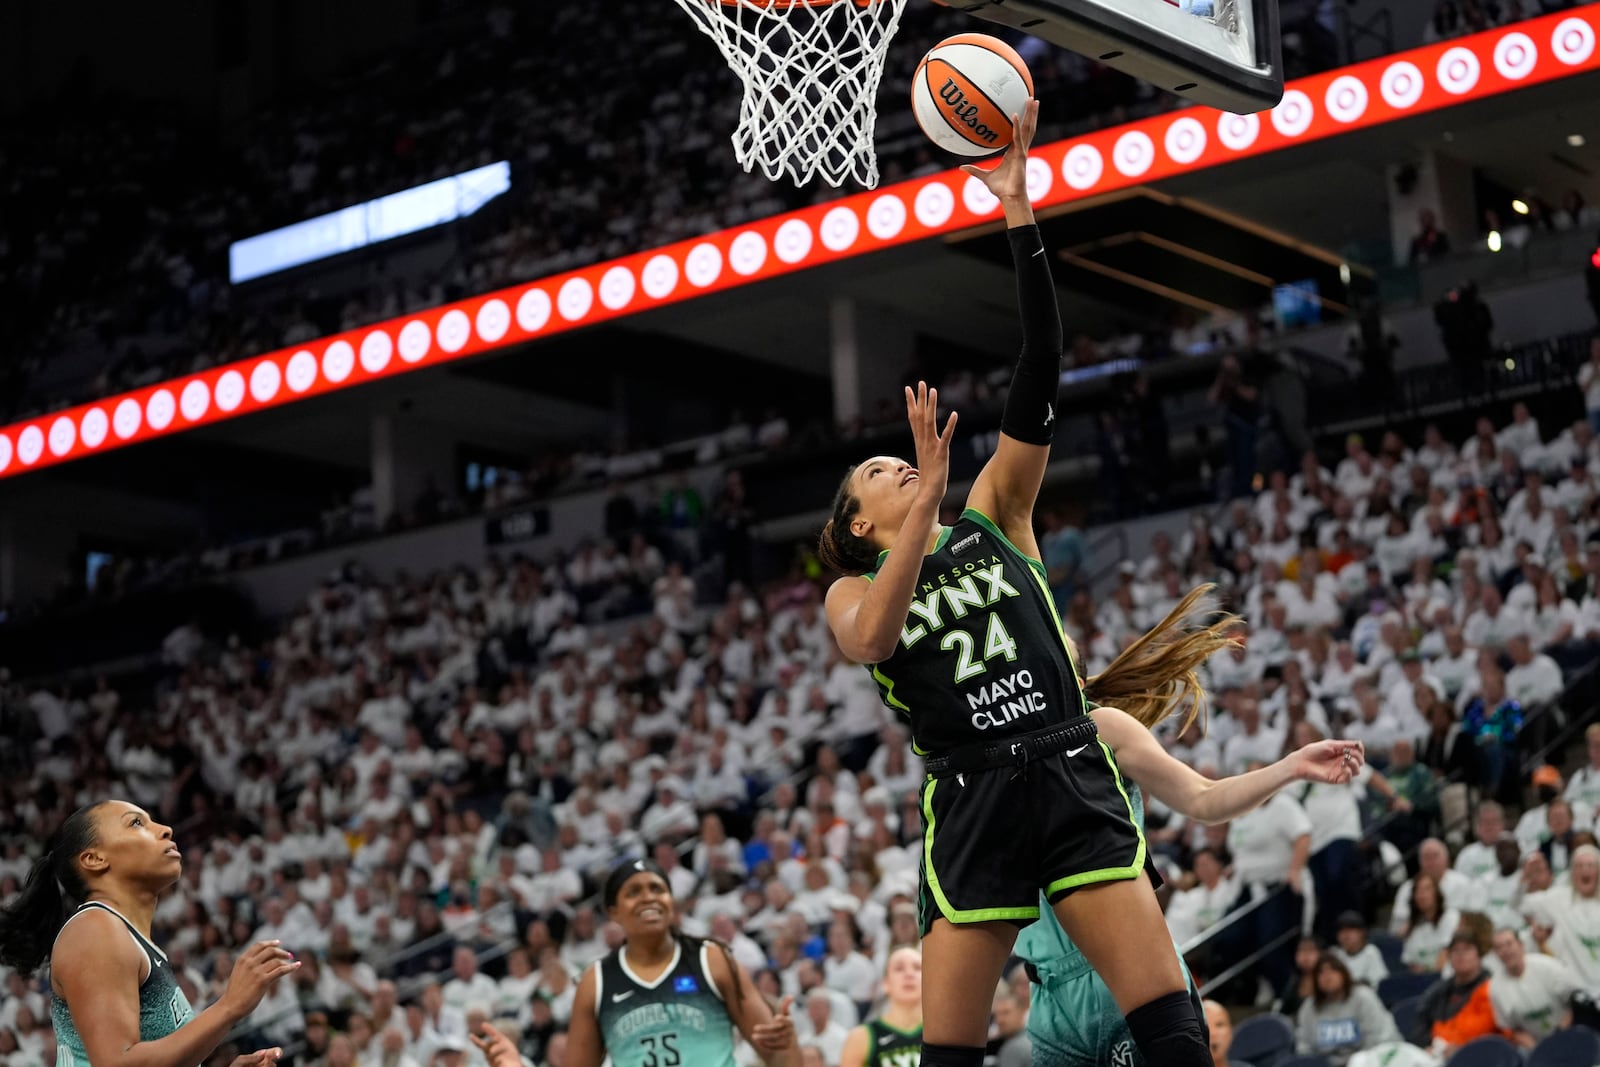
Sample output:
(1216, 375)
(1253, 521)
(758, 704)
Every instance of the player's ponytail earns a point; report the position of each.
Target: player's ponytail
(1158, 671)
(28, 926)
(691, 946)
(838, 548)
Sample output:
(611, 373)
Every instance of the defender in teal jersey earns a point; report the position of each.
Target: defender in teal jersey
(87, 908)
(664, 999)
(1073, 1020)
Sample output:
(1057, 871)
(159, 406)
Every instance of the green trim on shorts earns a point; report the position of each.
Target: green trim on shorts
(1107, 874)
(946, 909)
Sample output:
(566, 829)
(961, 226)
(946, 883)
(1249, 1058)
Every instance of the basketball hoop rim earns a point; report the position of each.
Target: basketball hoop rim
(785, 5)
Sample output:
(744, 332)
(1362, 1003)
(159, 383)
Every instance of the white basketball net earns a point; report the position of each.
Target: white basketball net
(810, 70)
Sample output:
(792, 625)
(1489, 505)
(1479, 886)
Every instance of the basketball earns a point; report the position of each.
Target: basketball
(965, 91)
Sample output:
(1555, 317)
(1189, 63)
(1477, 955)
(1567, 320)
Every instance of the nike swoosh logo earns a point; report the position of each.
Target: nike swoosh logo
(1039, 253)
(618, 998)
(885, 1039)
(1074, 751)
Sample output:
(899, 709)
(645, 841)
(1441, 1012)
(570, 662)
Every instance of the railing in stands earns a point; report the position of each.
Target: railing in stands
(1582, 691)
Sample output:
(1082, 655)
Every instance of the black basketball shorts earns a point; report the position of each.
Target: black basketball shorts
(994, 839)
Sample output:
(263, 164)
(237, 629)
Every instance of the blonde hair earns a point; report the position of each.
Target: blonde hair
(1158, 672)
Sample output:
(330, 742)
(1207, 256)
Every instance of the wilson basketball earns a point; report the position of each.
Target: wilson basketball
(966, 90)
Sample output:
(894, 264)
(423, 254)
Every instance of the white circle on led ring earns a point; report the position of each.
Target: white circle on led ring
(337, 362)
(886, 217)
(194, 400)
(934, 205)
(1458, 70)
(94, 427)
(1346, 99)
(1573, 41)
(617, 288)
(792, 242)
(160, 408)
(703, 265)
(494, 319)
(1238, 132)
(376, 351)
(1401, 85)
(454, 330)
(1293, 115)
(62, 436)
(575, 299)
(533, 310)
(301, 373)
(1082, 166)
(660, 276)
(1134, 153)
(125, 420)
(1040, 179)
(1185, 140)
(840, 228)
(5, 452)
(748, 253)
(977, 197)
(266, 378)
(230, 387)
(30, 445)
(415, 340)
(1515, 56)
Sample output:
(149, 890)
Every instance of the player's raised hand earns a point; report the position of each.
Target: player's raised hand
(496, 1047)
(933, 448)
(1332, 762)
(261, 1058)
(1009, 181)
(255, 971)
(776, 1034)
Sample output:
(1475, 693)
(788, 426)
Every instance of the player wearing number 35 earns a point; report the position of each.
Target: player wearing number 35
(961, 634)
(663, 999)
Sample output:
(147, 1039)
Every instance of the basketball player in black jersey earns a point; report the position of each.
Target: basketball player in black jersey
(960, 632)
(894, 1038)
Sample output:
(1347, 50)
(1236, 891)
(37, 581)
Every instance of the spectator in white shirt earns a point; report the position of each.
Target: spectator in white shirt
(1535, 679)
(1192, 912)
(1271, 846)
(1253, 742)
(1365, 962)
(820, 1028)
(1478, 858)
(1566, 919)
(1373, 726)
(1433, 859)
(1531, 994)
(1432, 923)
(513, 991)
(469, 987)
(1583, 789)
(1497, 893)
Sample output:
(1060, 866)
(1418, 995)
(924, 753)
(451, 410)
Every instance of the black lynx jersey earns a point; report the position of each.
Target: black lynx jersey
(888, 1047)
(678, 1020)
(982, 655)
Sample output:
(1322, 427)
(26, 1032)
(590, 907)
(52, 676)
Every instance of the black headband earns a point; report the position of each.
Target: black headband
(620, 875)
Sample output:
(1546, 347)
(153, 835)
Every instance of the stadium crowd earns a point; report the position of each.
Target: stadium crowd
(418, 783)
(114, 252)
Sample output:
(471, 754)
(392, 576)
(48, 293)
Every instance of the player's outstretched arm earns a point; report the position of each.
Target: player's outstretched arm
(1009, 483)
(1186, 791)
(866, 617)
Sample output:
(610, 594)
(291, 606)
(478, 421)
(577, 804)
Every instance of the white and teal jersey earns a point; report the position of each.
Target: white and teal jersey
(1073, 1021)
(162, 1006)
(677, 1020)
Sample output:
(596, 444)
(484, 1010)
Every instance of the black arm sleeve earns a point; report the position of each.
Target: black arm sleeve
(1030, 412)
